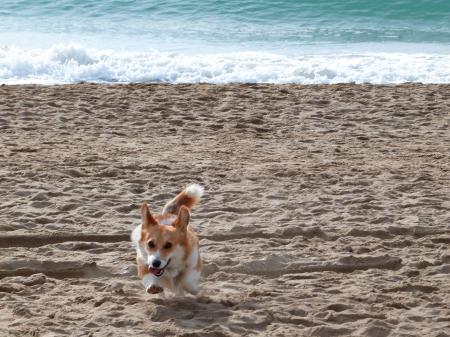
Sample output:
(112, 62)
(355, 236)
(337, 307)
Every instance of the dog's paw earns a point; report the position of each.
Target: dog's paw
(192, 290)
(154, 289)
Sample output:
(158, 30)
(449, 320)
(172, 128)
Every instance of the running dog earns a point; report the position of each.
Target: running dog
(167, 247)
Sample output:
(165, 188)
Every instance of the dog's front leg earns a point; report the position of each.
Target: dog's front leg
(151, 284)
(150, 281)
(191, 282)
(178, 289)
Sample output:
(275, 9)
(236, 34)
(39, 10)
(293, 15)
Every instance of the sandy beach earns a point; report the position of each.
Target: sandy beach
(326, 208)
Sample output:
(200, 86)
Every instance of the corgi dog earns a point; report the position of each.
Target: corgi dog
(167, 247)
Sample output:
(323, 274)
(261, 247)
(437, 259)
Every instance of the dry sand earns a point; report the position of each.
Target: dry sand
(326, 212)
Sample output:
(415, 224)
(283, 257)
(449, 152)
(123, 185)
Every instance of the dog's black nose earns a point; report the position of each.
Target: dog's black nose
(156, 263)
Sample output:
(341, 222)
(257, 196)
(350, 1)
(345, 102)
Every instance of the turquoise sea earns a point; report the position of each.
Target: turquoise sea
(287, 41)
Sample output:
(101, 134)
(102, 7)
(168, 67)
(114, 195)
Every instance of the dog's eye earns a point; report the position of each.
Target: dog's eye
(151, 244)
(168, 245)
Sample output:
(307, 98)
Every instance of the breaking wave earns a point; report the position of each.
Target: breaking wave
(75, 63)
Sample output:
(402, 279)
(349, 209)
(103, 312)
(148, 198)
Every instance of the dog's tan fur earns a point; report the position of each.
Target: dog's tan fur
(169, 238)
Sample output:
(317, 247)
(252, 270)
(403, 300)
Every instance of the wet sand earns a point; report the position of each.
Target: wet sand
(326, 212)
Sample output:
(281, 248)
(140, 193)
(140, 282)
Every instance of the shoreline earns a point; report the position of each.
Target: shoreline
(246, 84)
(76, 63)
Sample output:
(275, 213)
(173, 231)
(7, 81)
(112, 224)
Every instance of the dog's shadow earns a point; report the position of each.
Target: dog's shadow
(192, 312)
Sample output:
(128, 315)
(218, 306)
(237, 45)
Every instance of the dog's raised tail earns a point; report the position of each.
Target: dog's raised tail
(188, 197)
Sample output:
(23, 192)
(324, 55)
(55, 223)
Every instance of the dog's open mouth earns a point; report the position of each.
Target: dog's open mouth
(158, 271)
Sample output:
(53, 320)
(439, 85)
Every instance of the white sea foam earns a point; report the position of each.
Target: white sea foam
(74, 63)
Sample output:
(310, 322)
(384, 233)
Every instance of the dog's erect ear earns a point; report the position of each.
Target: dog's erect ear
(147, 219)
(183, 218)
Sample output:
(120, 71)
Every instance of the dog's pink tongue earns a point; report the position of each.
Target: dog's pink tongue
(155, 271)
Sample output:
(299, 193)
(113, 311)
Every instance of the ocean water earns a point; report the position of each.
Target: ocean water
(223, 41)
